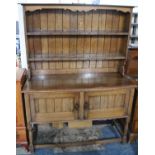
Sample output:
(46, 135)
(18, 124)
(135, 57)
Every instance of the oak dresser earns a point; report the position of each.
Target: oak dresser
(76, 56)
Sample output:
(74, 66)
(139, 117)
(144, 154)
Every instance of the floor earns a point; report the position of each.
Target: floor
(70, 135)
(109, 149)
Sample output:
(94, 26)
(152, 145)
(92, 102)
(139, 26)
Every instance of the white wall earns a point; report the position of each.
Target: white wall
(105, 2)
(22, 37)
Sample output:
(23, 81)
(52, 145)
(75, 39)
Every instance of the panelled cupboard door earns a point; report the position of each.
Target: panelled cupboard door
(107, 104)
(47, 107)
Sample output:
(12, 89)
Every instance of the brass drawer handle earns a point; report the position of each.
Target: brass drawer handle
(76, 110)
(76, 107)
(86, 106)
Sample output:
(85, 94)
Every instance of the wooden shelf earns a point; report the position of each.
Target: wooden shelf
(77, 57)
(48, 33)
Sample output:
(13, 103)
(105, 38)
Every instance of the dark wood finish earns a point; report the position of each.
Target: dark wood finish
(133, 132)
(135, 118)
(75, 53)
(132, 63)
(132, 73)
(91, 37)
(21, 136)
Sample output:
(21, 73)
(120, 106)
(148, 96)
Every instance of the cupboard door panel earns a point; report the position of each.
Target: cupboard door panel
(111, 103)
(48, 107)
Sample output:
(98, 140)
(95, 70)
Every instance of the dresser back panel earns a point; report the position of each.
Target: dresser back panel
(65, 41)
(66, 20)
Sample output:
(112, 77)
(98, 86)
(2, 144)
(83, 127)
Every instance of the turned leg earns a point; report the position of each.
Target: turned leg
(30, 132)
(29, 125)
(124, 138)
(127, 120)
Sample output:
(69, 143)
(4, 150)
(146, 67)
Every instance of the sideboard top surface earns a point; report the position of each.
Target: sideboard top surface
(77, 82)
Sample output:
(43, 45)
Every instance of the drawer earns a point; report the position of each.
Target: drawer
(107, 104)
(21, 135)
(49, 107)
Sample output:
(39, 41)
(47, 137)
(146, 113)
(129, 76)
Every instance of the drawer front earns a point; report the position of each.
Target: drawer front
(107, 104)
(21, 136)
(47, 107)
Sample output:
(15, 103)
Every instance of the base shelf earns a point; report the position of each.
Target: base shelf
(46, 134)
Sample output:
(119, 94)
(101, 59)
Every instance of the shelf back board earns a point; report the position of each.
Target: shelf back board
(62, 39)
